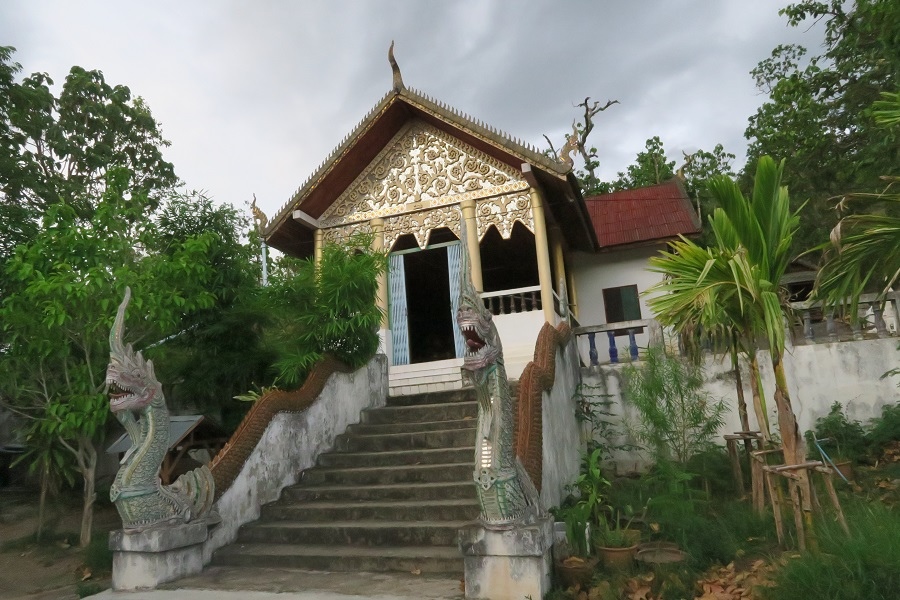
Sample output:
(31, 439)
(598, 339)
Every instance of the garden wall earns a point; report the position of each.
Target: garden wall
(291, 443)
(848, 372)
(562, 442)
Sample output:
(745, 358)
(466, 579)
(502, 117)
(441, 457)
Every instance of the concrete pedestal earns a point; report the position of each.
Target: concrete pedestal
(507, 564)
(146, 559)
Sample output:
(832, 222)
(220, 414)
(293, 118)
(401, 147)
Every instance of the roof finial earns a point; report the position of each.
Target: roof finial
(398, 78)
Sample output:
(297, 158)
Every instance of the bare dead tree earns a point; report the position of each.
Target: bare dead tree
(590, 111)
(552, 149)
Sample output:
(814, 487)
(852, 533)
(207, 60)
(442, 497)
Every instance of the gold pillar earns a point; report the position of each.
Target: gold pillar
(377, 225)
(559, 264)
(542, 249)
(318, 240)
(573, 294)
(471, 241)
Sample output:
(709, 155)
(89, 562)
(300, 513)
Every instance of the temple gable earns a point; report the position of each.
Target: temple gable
(417, 180)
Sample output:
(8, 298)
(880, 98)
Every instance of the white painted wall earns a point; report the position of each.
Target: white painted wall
(291, 443)
(562, 435)
(818, 374)
(595, 272)
(518, 334)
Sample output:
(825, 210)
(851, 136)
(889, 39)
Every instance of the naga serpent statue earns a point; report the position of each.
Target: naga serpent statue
(505, 491)
(136, 399)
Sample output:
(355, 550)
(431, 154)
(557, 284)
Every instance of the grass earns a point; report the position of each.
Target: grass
(863, 566)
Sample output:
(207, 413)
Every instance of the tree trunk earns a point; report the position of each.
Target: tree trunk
(791, 441)
(89, 468)
(759, 404)
(42, 502)
(739, 385)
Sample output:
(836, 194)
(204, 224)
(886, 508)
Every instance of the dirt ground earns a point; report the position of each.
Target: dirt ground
(53, 569)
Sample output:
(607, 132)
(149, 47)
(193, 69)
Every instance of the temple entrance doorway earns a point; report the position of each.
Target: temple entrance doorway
(424, 290)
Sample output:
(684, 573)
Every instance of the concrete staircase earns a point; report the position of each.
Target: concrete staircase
(390, 497)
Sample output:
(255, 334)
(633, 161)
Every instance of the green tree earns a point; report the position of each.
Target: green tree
(818, 107)
(60, 148)
(65, 285)
(218, 351)
(698, 169)
(650, 168)
(327, 308)
(864, 253)
(734, 286)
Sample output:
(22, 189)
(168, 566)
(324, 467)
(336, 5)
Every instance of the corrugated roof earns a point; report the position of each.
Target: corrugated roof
(642, 215)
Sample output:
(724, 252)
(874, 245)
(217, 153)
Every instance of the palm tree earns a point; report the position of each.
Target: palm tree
(733, 288)
(698, 299)
(865, 248)
(760, 230)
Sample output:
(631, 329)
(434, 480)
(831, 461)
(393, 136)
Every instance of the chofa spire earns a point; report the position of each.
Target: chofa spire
(395, 68)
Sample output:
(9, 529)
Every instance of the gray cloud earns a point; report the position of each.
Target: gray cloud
(254, 95)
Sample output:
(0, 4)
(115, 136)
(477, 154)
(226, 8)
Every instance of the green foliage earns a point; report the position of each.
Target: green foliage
(97, 556)
(677, 419)
(218, 351)
(326, 309)
(592, 407)
(585, 509)
(818, 107)
(848, 437)
(60, 149)
(650, 168)
(884, 429)
(863, 565)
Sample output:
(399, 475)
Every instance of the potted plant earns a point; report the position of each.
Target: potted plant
(616, 545)
(576, 566)
(585, 510)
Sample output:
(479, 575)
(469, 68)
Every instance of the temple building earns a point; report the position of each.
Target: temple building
(409, 172)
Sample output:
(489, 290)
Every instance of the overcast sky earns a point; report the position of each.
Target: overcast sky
(254, 95)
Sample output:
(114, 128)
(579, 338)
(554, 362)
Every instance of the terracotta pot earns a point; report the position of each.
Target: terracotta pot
(846, 468)
(571, 572)
(617, 558)
(660, 555)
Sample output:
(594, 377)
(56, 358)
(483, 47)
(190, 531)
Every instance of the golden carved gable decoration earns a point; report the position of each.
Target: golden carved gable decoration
(422, 168)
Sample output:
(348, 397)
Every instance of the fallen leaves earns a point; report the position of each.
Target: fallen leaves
(728, 583)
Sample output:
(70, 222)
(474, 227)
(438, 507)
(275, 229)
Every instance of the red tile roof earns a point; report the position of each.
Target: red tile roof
(657, 212)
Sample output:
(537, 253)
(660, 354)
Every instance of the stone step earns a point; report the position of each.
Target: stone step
(424, 559)
(455, 438)
(383, 428)
(387, 475)
(445, 397)
(410, 510)
(420, 413)
(398, 457)
(353, 533)
(422, 491)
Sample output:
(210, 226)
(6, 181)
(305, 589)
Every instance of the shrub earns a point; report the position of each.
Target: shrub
(327, 308)
(847, 437)
(884, 429)
(677, 419)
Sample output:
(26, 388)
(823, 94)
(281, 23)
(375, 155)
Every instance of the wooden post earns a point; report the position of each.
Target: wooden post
(829, 485)
(775, 496)
(794, 488)
(731, 444)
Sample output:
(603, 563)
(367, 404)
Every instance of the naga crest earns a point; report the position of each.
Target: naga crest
(476, 323)
(130, 379)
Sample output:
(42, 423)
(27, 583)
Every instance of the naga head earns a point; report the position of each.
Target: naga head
(475, 322)
(130, 380)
